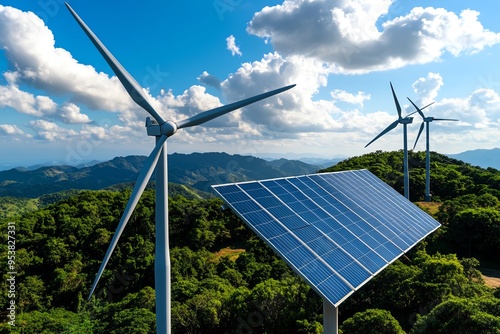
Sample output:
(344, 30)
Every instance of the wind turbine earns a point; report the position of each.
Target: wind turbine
(405, 121)
(425, 122)
(161, 129)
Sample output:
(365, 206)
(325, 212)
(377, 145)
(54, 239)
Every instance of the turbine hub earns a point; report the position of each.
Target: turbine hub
(168, 128)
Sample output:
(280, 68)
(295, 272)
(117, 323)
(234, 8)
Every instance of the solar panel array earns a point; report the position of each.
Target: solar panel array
(335, 230)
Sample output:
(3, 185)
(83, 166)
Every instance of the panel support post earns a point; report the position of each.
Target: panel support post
(330, 318)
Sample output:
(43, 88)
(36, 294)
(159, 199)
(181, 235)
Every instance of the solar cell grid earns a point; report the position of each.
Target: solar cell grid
(366, 208)
(322, 245)
(336, 230)
(317, 272)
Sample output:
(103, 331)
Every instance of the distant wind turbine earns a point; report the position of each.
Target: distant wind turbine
(161, 129)
(405, 121)
(426, 121)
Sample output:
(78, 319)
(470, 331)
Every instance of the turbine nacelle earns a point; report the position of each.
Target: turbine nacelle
(406, 120)
(154, 129)
(401, 120)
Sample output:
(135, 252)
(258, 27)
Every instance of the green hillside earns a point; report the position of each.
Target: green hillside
(197, 170)
(450, 178)
(225, 280)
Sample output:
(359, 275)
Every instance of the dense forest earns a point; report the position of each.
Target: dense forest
(226, 280)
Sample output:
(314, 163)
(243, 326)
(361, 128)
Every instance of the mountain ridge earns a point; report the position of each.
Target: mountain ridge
(485, 158)
(198, 170)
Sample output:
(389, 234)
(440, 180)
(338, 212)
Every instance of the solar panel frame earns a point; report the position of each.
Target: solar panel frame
(338, 228)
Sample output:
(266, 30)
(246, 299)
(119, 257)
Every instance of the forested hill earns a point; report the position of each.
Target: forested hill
(226, 280)
(450, 178)
(198, 170)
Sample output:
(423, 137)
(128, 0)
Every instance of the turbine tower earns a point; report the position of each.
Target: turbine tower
(425, 122)
(160, 129)
(405, 121)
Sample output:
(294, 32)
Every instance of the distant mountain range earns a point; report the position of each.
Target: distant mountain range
(481, 157)
(197, 170)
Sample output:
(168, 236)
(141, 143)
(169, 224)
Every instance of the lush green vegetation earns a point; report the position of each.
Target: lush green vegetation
(450, 178)
(225, 280)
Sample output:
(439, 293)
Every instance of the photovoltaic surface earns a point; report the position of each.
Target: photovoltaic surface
(335, 230)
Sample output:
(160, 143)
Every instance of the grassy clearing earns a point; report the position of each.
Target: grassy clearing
(233, 253)
(491, 276)
(430, 207)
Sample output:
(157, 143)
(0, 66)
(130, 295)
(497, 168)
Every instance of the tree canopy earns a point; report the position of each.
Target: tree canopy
(226, 280)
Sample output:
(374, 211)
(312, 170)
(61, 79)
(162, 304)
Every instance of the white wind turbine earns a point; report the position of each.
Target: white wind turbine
(161, 129)
(405, 121)
(425, 122)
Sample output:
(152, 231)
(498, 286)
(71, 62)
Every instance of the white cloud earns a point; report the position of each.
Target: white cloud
(480, 110)
(428, 88)
(346, 40)
(207, 79)
(231, 46)
(346, 35)
(347, 97)
(26, 103)
(11, 130)
(39, 106)
(290, 112)
(189, 103)
(51, 131)
(30, 48)
(70, 114)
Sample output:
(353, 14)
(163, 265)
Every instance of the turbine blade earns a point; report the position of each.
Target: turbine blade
(445, 119)
(133, 88)
(418, 109)
(140, 185)
(389, 128)
(430, 104)
(216, 112)
(419, 133)
(398, 107)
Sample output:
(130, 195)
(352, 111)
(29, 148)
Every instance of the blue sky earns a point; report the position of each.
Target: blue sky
(59, 100)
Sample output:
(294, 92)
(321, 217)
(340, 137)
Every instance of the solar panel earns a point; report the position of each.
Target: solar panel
(335, 230)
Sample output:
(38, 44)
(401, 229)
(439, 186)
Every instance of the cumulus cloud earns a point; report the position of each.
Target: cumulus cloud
(30, 49)
(479, 110)
(26, 103)
(349, 37)
(231, 46)
(346, 34)
(70, 114)
(288, 112)
(427, 88)
(50, 131)
(11, 130)
(209, 80)
(342, 95)
(39, 106)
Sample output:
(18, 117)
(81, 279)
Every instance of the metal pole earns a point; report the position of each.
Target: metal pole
(405, 163)
(162, 256)
(427, 165)
(330, 318)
